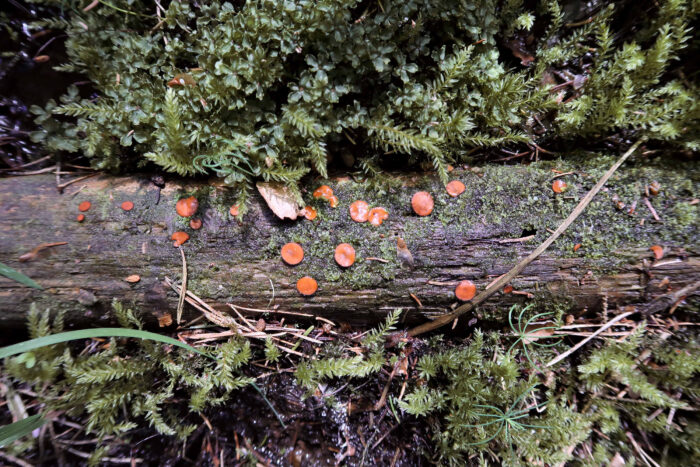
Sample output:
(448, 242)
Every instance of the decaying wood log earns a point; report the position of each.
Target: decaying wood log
(501, 217)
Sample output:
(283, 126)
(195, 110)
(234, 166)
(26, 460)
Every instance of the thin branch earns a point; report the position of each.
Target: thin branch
(447, 318)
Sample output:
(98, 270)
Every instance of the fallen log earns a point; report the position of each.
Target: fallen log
(503, 215)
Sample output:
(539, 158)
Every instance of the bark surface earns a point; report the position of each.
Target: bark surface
(239, 262)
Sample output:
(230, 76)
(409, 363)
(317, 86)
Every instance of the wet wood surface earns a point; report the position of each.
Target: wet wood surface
(233, 262)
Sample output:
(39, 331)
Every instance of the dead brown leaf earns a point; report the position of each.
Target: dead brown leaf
(538, 331)
(280, 199)
(132, 279)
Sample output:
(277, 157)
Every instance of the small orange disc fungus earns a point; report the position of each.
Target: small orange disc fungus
(186, 207)
(466, 290)
(80, 218)
(324, 191)
(377, 216)
(658, 251)
(84, 206)
(292, 253)
(180, 238)
(310, 213)
(195, 224)
(307, 285)
(577, 246)
(127, 205)
(234, 210)
(345, 255)
(455, 188)
(333, 201)
(508, 289)
(359, 211)
(422, 203)
(558, 186)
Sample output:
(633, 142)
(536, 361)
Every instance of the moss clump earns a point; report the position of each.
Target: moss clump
(116, 387)
(258, 91)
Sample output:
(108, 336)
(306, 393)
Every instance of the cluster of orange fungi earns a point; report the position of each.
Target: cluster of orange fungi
(326, 192)
(360, 212)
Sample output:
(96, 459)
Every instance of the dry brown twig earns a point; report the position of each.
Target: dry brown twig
(517, 269)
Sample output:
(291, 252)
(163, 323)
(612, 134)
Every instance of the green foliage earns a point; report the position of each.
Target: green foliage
(114, 385)
(487, 402)
(311, 373)
(273, 89)
(17, 276)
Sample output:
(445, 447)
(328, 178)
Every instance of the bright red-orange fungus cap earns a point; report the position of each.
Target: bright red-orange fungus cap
(558, 186)
(84, 206)
(345, 255)
(310, 213)
(324, 191)
(307, 285)
(455, 188)
(292, 253)
(180, 238)
(377, 216)
(466, 290)
(186, 207)
(422, 203)
(359, 211)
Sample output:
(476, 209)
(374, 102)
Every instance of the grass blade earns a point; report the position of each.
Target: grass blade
(17, 276)
(89, 333)
(20, 428)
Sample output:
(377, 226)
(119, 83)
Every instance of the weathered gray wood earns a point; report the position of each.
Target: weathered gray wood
(237, 262)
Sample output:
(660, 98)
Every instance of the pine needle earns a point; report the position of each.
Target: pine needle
(183, 289)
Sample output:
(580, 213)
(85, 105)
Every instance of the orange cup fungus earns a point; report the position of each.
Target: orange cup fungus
(455, 188)
(377, 216)
(310, 213)
(465, 291)
(658, 251)
(84, 206)
(234, 210)
(422, 203)
(577, 246)
(559, 186)
(292, 253)
(359, 211)
(127, 205)
(508, 289)
(180, 238)
(345, 255)
(307, 285)
(195, 224)
(324, 191)
(186, 207)
(80, 218)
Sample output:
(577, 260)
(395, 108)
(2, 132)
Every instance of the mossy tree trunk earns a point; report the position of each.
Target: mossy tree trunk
(469, 237)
